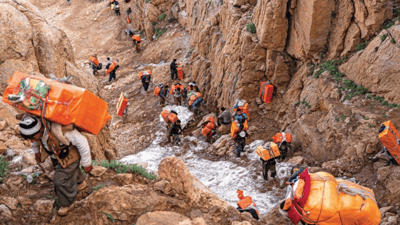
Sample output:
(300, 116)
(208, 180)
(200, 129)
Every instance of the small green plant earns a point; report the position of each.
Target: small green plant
(162, 17)
(3, 168)
(389, 25)
(140, 32)
(171, 19)
(191, 50)
(392, 40)
(147, 1)
(361, 46)
(251, 27)
(125, 168)
(344, 117)
(393, 105)
(154, 23)
(177, 4)
(337, 119)
(384, 115)
(209, 2)
(342, 60)
(159, 32)
(110, 217)
(98, 187)
(383, 37)
(369, 125)
(365, 118)
(296, 103)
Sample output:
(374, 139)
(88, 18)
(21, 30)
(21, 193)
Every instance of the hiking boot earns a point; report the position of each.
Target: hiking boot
(63, 211)
(82, 186)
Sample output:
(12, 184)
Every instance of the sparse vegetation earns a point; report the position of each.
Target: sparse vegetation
(125, 168)
(344, 117)
(171, 19)
(162, 17)
(159, 32)
(361, 46)
(147, 1)
(191, 50)
(98, 187)
(337, 119)
(389, 25)
(3, 168)
(392, 41)
(251, 27)
(296, 104)
(305, 103)
(140, 32)
(365, 118)
(154, 23)
(110, 217)
(383, 37)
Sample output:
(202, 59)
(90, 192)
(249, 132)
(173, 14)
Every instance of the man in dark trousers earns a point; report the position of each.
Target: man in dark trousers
(240, 139)
(174, 71)
(176, 129)
(163, 95)
(146, 80)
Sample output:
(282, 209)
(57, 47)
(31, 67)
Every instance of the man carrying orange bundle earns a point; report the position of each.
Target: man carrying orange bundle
(208, 128)
(246, 204)
(67, 149)
(94, 64)
(111, 69)
(240, 139)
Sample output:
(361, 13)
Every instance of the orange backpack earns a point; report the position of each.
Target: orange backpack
(112, 67)
(168, 116)
(141, 74)
(136, 38)
(279, 137)
(193, 98)
(245, 202)
(209, 126)
(94, 60)
(175, 87)
(157, 91)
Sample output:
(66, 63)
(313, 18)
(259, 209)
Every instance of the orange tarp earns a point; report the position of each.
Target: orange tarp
(266, 154)
(66, 104)
(122, 103)
(389, 138)
(278, 138)
(180, 72)
(266, 91)
(336, 201)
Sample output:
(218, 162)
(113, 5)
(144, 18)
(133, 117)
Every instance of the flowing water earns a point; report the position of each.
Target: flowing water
(222, 177)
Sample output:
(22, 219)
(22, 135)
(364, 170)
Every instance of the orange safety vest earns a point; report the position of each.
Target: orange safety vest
(111, 68)
(136, 38)
(94, 60)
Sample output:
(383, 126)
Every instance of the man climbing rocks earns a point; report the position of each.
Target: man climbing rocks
(94, 64)
(270, 164)
(135, 38)
(239, 116)
(146, 80)
(176, 129)
(173, 69)
(111, 69)
(240, 139)
(178, 96)
(65, 149)
(208, 128)
(224, 121)
(163, 95)
(246, 204)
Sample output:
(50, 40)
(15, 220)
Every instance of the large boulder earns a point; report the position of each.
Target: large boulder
(163, 218)
(376, 67)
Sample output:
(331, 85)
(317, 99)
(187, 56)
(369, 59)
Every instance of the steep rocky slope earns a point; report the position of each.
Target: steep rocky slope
(293, 44)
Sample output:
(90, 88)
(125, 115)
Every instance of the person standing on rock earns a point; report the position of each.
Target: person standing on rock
(174, 71)
(145, 80)
(65, 147)
(163, 95)
(176, 129)
(177, 96)
(224, 121)
(240, 139)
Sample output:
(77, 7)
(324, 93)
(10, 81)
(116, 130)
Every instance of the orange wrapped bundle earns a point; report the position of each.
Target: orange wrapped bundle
(94, 60)
(168, 116)
(122, 103)
(111, 68)
(390, 139)
(266, 91)
(63, 103)
(279, 137)
(235, 127)
(141, 73)
(331, 201)
(136, 38)
(209, 126)
(267, 154)
(193, 98)
(180, 72)
(171, 91)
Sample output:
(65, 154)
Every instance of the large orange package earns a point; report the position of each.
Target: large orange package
(171, 91)
(141, 74)
(267, 154)
(209, 126)
(390, 138)
(279, 137)
(193, 98)
(180, 72)
(94, 60)
(122, 104)
(266, 91)
(111, 68)
(245, 108)
(335, 201)
(235, 127)
(64, 103)
(169, 117)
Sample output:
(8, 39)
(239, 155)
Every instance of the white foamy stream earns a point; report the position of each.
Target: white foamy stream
(222, 177)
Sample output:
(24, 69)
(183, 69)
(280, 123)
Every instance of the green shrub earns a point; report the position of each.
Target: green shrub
(110, 217)
(251, 27)
(296, 104)
(383, 37)
(171, 19)
(154, 23)
(392, 40)
(393, 105)
(337, 119)
(147, 1)
(365, 118)
(361, 46)
(159, 32)
(125, 168)
(344, 117)
(162, 17)
(3, 168)
(389, 25)
(98, 187)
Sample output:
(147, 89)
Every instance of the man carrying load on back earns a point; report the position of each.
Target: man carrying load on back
(224, 121)
(67, 148)
(145, 78)
(239, 116)
(94, 64)
(111, 69)
(176, 129)
(240, 139)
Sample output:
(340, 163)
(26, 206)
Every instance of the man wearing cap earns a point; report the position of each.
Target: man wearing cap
(67, 149)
